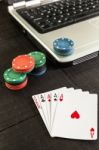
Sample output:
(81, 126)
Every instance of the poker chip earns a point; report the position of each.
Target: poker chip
(24, 71)
(16, 77)
(63, 46)
(23, 63)
(16, 87)
(40, 63)
(39, 57)
(39, 71)
(13, 77)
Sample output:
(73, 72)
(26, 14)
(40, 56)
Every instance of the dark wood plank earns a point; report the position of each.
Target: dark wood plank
(32, 135)
(85, 75)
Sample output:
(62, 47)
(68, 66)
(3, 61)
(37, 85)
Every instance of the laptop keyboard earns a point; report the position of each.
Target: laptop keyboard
(59, 14)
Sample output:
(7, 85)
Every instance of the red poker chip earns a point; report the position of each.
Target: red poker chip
(24, 71)
(23, 63)
(16, 87)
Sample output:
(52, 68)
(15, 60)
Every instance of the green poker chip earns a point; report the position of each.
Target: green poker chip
(39, 57)
(13, 77)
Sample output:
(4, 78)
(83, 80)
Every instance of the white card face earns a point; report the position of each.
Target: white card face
(57, 96)
(54, 101)
(76, 117)
(52, 96)
(39, 107)
(48, 96)
(42, 100)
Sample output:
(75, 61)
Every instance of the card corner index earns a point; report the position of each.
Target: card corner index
(36, 102)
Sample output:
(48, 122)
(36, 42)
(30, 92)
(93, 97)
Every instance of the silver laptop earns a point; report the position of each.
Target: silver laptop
(48, 20)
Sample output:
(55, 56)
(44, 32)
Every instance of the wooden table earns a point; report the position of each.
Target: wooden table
(21, 127)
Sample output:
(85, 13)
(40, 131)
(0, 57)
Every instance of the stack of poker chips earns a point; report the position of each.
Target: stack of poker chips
(16, 78)
(63, 46)
(40, 63)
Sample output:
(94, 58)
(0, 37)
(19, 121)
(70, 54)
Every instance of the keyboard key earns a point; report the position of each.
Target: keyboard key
(59, 14)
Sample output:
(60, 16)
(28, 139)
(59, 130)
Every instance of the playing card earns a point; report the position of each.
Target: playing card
(57, 95)
(76, 117)
(48, 96)
(60, 93)
(37, 101)
(54, 100)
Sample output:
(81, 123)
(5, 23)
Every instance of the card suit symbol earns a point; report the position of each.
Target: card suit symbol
(49, 97)
(92, 131)
(55, 97)
(36, 103)
(61, 97)
(43, 100)
(42, 97)
(75, 115)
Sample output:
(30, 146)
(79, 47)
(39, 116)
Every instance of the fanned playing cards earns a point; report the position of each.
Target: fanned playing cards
(69, 113)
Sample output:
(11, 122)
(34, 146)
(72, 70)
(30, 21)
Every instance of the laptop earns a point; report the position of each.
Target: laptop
(47, 20)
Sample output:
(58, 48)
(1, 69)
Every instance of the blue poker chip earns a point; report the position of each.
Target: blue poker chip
(39, 72)
(63, 46)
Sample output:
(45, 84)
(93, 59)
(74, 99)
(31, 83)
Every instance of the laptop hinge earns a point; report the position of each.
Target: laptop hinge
(34, 3)
(47, 1)
(30, 3)
(19, 4)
